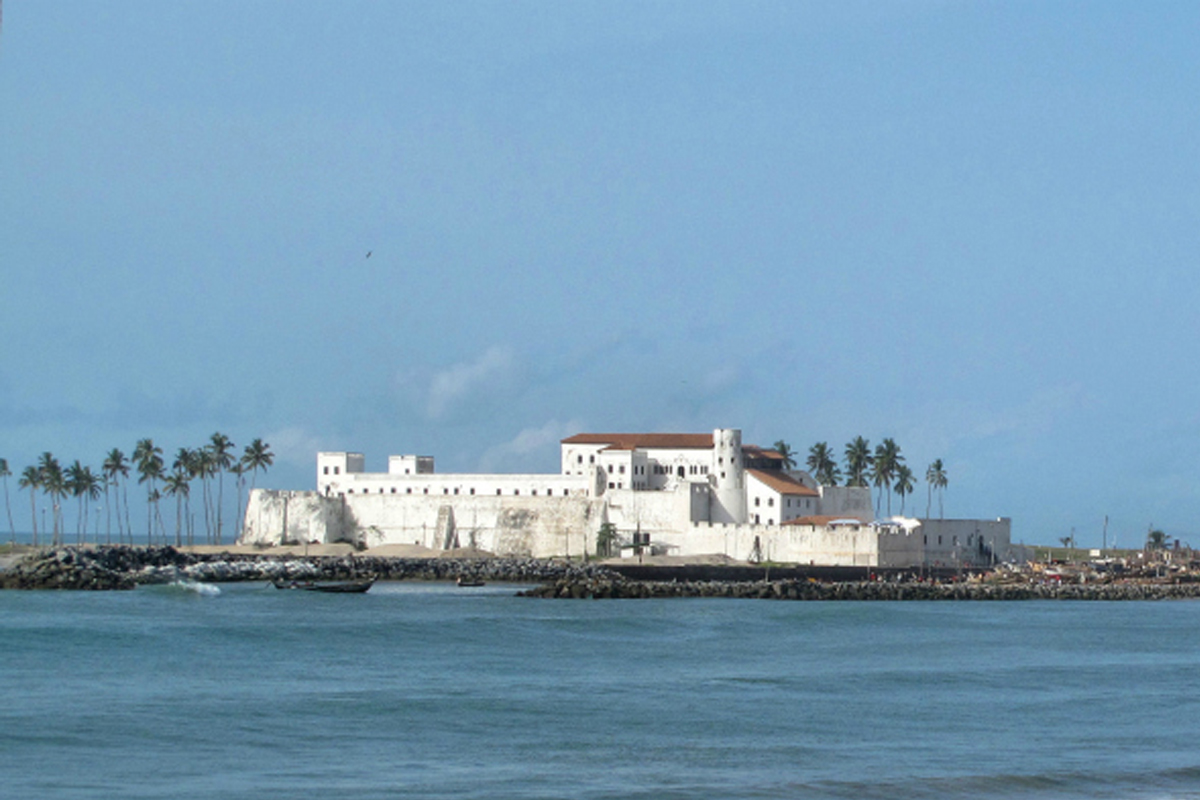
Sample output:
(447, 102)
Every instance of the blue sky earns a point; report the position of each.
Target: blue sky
(971, 227)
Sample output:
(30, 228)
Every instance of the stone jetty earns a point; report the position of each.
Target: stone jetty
(122, 567)
(616, 587)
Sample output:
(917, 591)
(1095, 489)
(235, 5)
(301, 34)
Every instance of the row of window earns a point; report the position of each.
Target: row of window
(336, 470)
(446, 490)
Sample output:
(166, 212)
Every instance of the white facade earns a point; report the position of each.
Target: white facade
(686, 494)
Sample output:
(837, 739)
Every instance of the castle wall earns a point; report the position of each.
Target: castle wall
(968, 542)
(845, 502)
(800, 544)
(506, 525)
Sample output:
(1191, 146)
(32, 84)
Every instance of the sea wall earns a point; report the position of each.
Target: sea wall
(128, 567)
(512, 526)
(602, 587)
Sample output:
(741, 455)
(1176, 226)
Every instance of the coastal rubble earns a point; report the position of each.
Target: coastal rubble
(121, 567)
(609, 588)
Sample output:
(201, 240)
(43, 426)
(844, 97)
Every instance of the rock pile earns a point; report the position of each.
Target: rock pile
(610, 587)
(66, 569)
(126, 567)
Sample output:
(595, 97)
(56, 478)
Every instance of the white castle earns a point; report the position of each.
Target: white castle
(660, 493)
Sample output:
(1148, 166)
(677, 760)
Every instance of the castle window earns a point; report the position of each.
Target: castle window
(445, 490)
(591, 459)
(336, 470)
(326, 470)
(757, 521)
(612, 485)
(426, 490)
(516, 491)
(409, 490)
(393, 490)
(350, 490)
(535, 492)
(580, 461)
(621, 469)
(771, 502)
(757, 501)
(456, 490)
(497, 491)
(472, 490)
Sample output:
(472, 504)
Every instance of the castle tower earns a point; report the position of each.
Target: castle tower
(729, 477)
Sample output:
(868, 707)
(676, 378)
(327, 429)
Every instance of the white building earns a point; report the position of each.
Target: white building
(682, 494)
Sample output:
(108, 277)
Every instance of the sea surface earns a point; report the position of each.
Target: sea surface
(430, 690)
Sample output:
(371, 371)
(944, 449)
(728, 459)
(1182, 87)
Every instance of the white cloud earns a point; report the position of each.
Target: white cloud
(294, 446)
(538, 443)
(450, 385)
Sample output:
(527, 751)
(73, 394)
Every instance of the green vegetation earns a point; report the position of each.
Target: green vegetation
(883, 468)
(213, 460)
(606, 541)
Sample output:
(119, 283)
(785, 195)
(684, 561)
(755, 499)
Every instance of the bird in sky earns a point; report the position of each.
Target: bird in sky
(369, 253)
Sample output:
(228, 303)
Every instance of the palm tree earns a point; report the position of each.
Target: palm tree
(1156, 540)
(116, 467)
(31, 479)
(904, 484)
(89, 487)
(784, 450)
(53, 484)
(177, 484)
(4, 473)
(822, 464)
(150, 465)
(257, 456)
(239, 469)
(75, 488)
(936, 478)
(223, 460)
(204, 467)
(858, 461)
(884, 468)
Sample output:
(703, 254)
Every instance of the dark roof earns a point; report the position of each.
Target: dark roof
(782, 483)
(625, 441)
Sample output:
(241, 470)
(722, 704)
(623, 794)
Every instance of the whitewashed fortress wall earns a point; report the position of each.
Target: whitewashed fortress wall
(684, 494)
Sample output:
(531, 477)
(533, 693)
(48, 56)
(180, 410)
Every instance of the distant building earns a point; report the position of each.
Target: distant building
(681, 494)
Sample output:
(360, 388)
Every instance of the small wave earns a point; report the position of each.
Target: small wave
(195, 587)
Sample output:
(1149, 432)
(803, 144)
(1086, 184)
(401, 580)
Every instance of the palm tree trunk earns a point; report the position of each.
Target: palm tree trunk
(33, 516)
(107, 516)
(220, 499)
(128, 524)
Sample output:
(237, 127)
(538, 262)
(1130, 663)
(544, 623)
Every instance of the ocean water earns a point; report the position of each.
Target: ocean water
(429, 690)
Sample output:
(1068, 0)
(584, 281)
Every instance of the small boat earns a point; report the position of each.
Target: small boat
(470, 582)
(342, 587)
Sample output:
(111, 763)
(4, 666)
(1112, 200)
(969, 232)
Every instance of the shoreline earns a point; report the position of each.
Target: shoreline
(122, 567)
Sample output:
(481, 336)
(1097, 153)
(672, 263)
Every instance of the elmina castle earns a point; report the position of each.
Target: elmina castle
(686, 494)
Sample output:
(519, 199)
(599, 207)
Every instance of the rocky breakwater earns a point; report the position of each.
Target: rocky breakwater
(126, 567)
(68, 568)
(611, 586)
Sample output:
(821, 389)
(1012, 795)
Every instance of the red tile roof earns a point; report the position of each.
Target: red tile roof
(672, 441)
(822, 520)
(781, 483)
